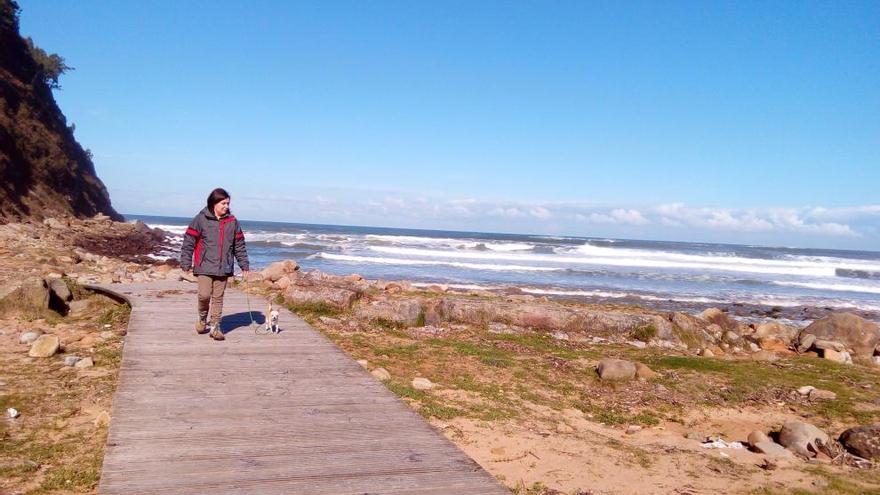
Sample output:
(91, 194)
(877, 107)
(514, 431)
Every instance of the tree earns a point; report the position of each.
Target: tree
(51, 65)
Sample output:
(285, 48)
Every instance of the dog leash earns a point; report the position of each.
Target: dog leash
(247, 297)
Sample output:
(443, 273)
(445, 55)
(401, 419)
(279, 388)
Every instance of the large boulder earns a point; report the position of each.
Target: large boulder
(616, 370)
(60, 289)
(406, 312)
(774, 331)
(802, 438)
(331, 296)
(863, 441)
(32, 293)
(857, 333)
(279, 269)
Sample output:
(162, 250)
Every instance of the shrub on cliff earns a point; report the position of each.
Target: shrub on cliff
(51, 65)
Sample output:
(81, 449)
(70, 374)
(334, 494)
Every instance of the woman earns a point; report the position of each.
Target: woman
(212, 240)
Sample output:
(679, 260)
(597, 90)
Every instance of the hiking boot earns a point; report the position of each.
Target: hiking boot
(216, 334)
(202, 327)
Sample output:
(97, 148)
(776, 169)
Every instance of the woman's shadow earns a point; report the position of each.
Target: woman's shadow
(234, 321)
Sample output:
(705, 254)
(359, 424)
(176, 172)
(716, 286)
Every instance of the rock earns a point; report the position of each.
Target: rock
(775, 331)
(805, 342)
(758, 436)
(695, 435)
(102, 420)
(71, 360)
(754, 347)
(363, 362)
(381, 373)
(828, 344)
(802, 438)
(838, 357)
(731, 336)
(282, 283)
(707, 353)
(645, 373)
(616, 369)
(764, 356)
(331, 296)
(84, 363)
(563, 427)
(863, 441)
(29, 337)
(330, 321)
(406, 312)
(78, 307)
(875, 360)
(422, 384)
(819, 394)
(772, 449)
(854, 332)
(806, 389)
(45, 346)
(638, 344)
(773, 345)
(28, 294)
(279, 269)
(633, 429)
(54, 224)
(711, 313)
(60, 289)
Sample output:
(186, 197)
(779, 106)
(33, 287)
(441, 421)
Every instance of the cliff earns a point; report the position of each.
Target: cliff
(44, 172)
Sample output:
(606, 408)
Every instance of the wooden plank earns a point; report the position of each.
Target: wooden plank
(261, 414)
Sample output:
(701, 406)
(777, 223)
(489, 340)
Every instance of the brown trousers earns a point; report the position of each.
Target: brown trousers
(211, 291)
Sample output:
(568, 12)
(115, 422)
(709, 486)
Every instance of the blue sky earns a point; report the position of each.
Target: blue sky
(748, 122)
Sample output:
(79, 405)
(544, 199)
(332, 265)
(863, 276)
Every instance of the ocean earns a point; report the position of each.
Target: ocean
(749, 281)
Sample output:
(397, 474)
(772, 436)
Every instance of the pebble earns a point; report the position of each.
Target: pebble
(363, 362)
(633, 429)
(422, 384)
(806, 389)
(381, 373)
(71, 360)
(29, 337)
(12, 413)
(819, 394)
(85, 363)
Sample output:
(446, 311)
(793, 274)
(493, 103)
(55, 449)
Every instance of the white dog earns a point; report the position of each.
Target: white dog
(272, 319)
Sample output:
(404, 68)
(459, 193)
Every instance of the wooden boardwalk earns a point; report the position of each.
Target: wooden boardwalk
(261, 414)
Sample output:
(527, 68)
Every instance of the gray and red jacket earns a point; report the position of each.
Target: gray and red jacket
(211, 244)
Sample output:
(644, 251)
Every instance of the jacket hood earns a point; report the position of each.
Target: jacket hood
(210, 214)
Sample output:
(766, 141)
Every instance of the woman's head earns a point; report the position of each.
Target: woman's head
(218, 202)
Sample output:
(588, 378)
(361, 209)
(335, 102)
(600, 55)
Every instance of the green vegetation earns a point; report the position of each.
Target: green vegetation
(740, 380)
(645, 333)
(50, 65)
(313, 310)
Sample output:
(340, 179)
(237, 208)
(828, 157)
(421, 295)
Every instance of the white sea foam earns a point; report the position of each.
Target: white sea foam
(450, 243)
(563, 292)
(615, 259)
(832, 287)
(460, 286)
(409, 262)
(174, 229)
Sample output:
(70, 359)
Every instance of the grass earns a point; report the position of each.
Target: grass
(742, 380)
(313, 310)
(645, 333)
